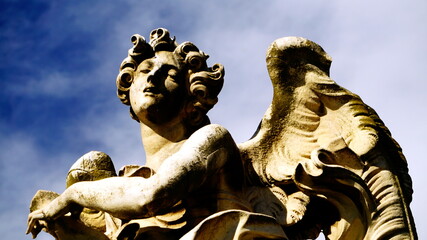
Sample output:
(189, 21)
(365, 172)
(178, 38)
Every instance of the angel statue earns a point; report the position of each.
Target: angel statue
(321, 161)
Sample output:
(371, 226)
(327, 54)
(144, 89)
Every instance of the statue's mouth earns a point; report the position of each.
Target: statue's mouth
(152, 90)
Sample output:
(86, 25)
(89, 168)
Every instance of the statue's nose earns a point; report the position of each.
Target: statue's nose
(153, 75)
(150, 78)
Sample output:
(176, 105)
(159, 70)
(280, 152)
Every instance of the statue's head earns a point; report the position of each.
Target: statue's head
(162, 79)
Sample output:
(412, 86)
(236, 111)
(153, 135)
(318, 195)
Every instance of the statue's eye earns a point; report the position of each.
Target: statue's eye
(145, 70)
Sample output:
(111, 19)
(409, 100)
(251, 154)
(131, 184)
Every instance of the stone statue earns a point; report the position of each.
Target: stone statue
(320, 161)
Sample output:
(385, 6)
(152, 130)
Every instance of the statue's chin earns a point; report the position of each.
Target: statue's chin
(155, 112)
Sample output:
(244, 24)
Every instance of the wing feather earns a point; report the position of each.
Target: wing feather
(310, 112)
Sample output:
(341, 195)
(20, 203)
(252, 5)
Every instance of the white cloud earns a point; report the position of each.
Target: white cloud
(52, 84)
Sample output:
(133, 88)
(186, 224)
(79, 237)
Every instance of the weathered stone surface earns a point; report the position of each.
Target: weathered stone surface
(321, 160)
(92, 166)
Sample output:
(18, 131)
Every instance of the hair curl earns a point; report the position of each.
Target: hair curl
(203, 83)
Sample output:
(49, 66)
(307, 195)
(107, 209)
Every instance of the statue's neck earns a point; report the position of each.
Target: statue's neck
(161, 141)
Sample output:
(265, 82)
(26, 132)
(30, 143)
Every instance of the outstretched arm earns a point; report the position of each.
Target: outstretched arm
(204, 153)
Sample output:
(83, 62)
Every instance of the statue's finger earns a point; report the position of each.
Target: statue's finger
(35, 233)
(33, 219)
(35, 230)
(31, 223)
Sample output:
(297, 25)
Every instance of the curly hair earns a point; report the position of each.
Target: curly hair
(203, 83)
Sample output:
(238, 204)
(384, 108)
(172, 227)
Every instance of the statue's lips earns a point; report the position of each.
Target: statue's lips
(152, 90)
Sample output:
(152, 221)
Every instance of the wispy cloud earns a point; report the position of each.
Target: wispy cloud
(53, 84)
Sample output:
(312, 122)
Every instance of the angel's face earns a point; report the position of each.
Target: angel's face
(157, 93)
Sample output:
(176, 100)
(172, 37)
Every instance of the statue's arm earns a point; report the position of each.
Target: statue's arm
(202, 155)
(207, 151)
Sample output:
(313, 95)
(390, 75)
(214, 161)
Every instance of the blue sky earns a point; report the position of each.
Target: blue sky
(59, 61)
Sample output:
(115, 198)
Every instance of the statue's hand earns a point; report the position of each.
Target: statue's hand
(36, 222)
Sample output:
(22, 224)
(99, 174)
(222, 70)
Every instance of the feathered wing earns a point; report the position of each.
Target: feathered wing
(324, 140)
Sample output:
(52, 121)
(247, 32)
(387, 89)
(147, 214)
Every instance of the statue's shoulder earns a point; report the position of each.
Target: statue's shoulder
(211, 131)
(211, 138)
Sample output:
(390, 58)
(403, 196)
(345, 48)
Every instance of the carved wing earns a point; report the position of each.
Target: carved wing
(322, 139)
